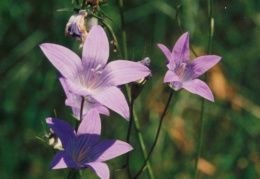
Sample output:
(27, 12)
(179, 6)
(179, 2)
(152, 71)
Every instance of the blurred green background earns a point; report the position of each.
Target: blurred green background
(30, 90)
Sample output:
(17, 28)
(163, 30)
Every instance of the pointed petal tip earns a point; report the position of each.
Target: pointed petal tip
(49, 120)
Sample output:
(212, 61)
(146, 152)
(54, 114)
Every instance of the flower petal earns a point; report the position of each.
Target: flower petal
(202, 64)
(90, 128)
(171, 76)
(121, 72)
(63, 160)
(200, 88)
(63, 130)
(168, 55)
(96, 48)
(180, 52)
(108, 149)
(66, 61)
(101, 169)
(114, 99)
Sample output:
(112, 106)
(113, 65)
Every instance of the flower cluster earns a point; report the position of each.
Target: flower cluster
(95, 82)
(92, 88)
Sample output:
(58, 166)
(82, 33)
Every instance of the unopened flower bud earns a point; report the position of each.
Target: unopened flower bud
(75, 28)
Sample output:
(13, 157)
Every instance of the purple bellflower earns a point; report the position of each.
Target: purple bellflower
(81, 148)
(91, 77)
(182, 74)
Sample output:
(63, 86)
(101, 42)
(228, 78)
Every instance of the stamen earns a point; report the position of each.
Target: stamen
(181, 69)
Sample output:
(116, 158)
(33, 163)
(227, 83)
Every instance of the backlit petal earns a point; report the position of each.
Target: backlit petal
(171, 76)
(66, 61)
(114, 99)
(202, 64)
(101, 169)
(96, 48)
(109, 149)
(168, 55)
(121, 72)
(200, 88)
(180, 52)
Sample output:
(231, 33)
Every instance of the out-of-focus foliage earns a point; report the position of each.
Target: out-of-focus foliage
(30, 90)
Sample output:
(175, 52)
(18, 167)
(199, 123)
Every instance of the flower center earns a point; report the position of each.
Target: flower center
(80, 157)
(93, 77)
(181, 69)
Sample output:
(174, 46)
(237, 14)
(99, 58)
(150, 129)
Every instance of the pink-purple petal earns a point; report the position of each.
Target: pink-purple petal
(65, 60)
(63, 160)
(114, 99)
(90, 128)
(202, 64)
(101, 169)
(96, 48)
(168, 55)
(200, 88)
(171, 76)
(180, 52)
(63, 130)
(121, 72)
(109, 149)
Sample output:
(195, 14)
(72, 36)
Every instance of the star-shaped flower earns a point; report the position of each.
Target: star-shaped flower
(182, 74)
(91, 77)
(82, 149)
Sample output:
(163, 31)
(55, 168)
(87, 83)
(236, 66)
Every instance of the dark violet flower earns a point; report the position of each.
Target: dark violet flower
(81, 148)
(91, 77)
(182, 74)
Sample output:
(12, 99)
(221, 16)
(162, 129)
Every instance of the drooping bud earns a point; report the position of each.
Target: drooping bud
(146, 62)
(75, 27)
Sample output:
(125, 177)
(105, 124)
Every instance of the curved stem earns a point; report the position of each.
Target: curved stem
(157, 134)
(202, 119)
(81, 113)
(121, 5)
(128, 134)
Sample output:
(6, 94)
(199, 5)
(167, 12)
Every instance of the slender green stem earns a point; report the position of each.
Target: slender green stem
(81, 114)
(157, 134)
(136, 123)
(211, 32)
(128, 135)
(110, 30)
(121, 5)
(140, 136)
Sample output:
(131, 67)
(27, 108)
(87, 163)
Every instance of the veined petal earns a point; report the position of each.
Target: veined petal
(114, 99)
(90, 128)
(101, 169)
(66, 61)
(63, 130)
(76, 88)
(171, 76)
(63, 160)
(103, 110)
(96, 48)
(181, 52)
(108, 149)
(121, 72)
(168, 55)
(200, 88)
(202, 64)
